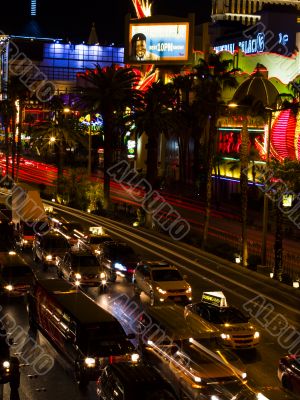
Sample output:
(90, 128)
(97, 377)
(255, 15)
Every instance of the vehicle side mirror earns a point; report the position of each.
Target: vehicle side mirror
(10, 341)
(131, 336)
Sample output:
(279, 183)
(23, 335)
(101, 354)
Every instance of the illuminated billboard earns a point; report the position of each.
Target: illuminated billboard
(158, 42)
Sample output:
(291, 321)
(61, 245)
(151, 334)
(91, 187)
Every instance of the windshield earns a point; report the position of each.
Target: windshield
(16, 271)
(106, 340)
(228, 315)
(86, 261)
(166, 275)
(56, 243)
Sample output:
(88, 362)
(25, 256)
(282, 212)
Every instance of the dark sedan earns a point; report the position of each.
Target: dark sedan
(289, 373)
(16, 276)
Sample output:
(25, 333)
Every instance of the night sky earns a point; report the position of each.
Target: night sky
(65, 19)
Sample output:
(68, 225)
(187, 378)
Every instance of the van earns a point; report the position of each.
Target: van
(78, 328)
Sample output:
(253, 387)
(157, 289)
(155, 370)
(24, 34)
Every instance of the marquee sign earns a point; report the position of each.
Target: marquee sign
(248, 46)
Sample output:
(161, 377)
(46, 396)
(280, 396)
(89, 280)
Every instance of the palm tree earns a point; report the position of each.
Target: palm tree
(213, 76)
(248, 107)
(7, 112)
(287, 174)
(61, 132)
(109, 91)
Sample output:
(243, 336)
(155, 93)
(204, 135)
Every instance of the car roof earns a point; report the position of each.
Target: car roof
(80, 253)
(131, 374)
(156, 264)
(116, 244)
(75, 302)
(171, 320)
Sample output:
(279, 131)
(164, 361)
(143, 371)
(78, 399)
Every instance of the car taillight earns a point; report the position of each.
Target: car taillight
(131, 271)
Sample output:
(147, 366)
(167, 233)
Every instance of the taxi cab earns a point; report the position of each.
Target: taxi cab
(236, 329)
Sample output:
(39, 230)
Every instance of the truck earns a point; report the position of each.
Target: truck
(28, 214)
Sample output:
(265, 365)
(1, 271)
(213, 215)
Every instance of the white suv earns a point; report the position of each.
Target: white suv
(161, 282)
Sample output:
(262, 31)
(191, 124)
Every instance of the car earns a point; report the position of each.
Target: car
(118, 259)
(162, 282)
(16, 276)
(92, 242)
(289, 372)
(196, 372)
(73, 231)
(9, 366)
(49, 248)
(236, 329)
(85, 334)
(82, 267)
(133, 382)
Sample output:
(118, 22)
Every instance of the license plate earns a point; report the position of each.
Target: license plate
(177, 298)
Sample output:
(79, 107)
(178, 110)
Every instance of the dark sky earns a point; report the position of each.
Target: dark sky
(66, 19)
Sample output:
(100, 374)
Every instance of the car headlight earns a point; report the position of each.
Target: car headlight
(9, 287)
(161, 290)
(225, 336)
(214, 397)
(6, 364)
(260, 396)
(189, 290)
(244, 375)
(256, 335)
(135, 357)
(97, 252)
(90, 362)
(49, 257)
(77, 276)
(120, 267)
(103, 275)
(24, 241)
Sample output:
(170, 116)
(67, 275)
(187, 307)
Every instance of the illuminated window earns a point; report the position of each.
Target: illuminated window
(33, 8)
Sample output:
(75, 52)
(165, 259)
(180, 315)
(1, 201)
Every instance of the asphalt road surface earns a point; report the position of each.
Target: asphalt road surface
(203, 273)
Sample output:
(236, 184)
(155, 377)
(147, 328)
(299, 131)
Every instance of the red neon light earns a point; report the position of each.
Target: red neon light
(283, 135)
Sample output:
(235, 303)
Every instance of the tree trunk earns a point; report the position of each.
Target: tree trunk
(278, 269)
(244, 160)
(108, 156)
(6, 151)
(13, 146)
(19, 144)
(209, 169)
(196, 159)
(151, 176)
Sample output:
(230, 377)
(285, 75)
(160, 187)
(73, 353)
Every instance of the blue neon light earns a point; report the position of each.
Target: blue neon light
(33, 8)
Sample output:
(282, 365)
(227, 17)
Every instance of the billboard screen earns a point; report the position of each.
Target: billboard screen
(158, 42)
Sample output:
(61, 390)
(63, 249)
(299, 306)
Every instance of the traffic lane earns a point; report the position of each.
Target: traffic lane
(192, 259)
(261, 364)
(265, 371)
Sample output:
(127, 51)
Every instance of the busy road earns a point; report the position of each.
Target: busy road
(204, 272)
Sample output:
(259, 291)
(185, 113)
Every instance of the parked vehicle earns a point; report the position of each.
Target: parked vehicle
(82, 268)
(50, 248)
(16, 276)
(236, 330)
(133, 382)
(161, 282)
(289, 373)
(118, 259)
(85, 334)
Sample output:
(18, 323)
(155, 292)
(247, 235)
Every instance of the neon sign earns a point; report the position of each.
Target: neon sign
(249, 46)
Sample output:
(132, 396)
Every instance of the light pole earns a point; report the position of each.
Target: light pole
(266, 200)
(88, 118)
